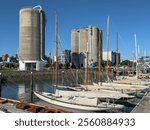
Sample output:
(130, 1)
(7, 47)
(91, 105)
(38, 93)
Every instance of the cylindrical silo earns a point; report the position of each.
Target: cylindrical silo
(31, 38)
(29, 34)
(74, 41)
(75, 47)
(83, 45)
(95, 36)
(86, 40)
(83, 40)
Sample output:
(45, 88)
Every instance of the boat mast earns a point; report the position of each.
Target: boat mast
(117, 54)
(136, 56)
(87, 70)
(99, 58)
(107, 44)
(56, 38)
(133, 63)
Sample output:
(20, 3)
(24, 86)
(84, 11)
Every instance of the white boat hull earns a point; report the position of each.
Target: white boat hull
(125, 88)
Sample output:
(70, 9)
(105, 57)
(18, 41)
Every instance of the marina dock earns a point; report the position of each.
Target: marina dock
(143, 106)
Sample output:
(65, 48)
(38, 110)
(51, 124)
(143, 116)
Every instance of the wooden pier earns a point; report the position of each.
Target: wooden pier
(143, 106)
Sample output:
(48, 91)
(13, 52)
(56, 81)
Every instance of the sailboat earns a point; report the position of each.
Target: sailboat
(111, 86)
(78, 101)
(128, 86)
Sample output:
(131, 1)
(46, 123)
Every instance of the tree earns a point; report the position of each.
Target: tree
(126, 63)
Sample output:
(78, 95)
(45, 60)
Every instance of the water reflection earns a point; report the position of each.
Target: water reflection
(22, 91)
(46, 86)
(10, 91)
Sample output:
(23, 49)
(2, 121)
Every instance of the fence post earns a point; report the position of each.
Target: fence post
(63, 72)
(31, 85)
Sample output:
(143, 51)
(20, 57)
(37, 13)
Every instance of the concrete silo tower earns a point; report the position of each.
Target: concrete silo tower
(94, 46)
(75, 48)
(83, 40)
(31, 38)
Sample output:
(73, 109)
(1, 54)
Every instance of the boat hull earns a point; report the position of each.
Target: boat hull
(69, 105)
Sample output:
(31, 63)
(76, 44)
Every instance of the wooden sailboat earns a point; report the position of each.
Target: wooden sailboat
(75, 100)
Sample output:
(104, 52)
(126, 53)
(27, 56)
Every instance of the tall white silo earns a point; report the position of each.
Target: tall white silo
(31, 38)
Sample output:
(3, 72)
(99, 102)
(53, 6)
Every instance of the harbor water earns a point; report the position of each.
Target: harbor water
(22, 92)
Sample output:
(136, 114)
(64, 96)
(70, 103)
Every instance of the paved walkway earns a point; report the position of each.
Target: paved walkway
(143, 106)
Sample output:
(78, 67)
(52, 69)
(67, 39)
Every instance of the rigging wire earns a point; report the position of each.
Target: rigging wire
(73, 74)
(123, 42)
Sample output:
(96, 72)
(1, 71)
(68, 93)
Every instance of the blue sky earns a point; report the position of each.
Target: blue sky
(127, 17)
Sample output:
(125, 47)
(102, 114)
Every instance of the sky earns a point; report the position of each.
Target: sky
(127, 17)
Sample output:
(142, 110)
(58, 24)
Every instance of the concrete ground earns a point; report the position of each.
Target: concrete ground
(143, 106)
